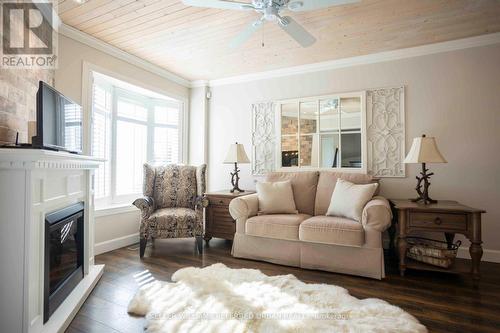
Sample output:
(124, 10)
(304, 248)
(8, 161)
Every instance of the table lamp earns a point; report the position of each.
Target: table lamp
(424, 150)
(236, 154)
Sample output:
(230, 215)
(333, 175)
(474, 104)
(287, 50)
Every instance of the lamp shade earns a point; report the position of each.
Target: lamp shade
(236, 154)
(424, 150)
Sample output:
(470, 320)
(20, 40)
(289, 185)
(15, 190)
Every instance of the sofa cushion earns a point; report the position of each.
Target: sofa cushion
(174, 220)
(332, 230)
(280, 226)
(326, 184)
(303, 185)
(276, 198)
(349, 199)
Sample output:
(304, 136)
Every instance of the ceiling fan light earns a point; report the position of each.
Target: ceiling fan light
(294, 5)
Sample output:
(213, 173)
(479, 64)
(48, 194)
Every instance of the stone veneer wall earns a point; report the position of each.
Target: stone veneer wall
(18, 89)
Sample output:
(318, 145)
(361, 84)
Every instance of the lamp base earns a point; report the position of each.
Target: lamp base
(425, 201)
(424, 195)
(235, 178)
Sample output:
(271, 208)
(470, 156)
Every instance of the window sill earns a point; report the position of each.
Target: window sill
(114, 209)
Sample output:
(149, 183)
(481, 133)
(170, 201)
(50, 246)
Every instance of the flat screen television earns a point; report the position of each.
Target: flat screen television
(59, 121)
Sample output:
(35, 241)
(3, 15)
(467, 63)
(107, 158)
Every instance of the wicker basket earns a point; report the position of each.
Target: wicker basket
(432, 252)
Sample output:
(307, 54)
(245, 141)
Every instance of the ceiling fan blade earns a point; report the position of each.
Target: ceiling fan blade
(246, 34)
(303, 5)
(219, 4)
(296, 31)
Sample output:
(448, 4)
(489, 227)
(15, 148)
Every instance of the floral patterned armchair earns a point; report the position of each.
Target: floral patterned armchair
(173, 203)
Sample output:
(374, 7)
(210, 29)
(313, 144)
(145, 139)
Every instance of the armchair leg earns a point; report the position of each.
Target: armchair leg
(199, 244)
(142, 246)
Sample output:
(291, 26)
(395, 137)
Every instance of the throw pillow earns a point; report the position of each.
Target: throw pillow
(276, 198)
(349, 199)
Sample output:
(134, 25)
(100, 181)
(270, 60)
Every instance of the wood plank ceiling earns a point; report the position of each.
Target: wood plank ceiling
(193, 42)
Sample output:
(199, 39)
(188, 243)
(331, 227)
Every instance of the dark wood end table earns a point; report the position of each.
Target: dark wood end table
(448, 217)
(218, 221)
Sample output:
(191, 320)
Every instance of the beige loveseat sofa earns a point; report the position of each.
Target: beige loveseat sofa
(310, 239)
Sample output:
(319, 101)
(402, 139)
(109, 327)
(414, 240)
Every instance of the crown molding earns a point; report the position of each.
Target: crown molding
(199, 83)
(98, 44)
(459, 44)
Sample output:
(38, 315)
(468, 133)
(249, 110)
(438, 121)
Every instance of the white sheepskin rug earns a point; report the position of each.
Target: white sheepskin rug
(220, 299)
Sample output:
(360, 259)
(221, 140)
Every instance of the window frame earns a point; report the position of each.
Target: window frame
(317, 100)
(108, 116)
(113, 199)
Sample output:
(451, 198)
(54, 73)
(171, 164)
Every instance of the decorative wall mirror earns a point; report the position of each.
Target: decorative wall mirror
(326, 132)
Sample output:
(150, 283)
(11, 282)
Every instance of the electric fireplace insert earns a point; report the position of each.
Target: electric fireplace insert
(63, 255)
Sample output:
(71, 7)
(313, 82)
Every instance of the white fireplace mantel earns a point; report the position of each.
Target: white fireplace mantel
(34, 183)
(45, 159)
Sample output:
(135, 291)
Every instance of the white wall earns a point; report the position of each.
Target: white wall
(454, 96)
(72, 54)
(116, 230)
(197, 126)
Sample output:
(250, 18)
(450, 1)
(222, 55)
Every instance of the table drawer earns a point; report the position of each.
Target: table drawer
(457, 222)
(222, 220)
(219, 201)
(219, 216)
(219, 229)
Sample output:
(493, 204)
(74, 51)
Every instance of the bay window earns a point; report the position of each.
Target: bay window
(131, 126)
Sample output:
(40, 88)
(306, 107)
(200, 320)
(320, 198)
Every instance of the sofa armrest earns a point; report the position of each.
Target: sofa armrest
(242, 208)
(146, 205)
(377, 214)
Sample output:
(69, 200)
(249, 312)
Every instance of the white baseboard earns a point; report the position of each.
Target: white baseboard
(116, 243)
(488, 255)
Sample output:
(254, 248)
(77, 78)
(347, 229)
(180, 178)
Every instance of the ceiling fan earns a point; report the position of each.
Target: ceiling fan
(271, 10)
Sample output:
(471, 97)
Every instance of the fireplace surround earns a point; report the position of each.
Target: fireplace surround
(41, 192)
(63, 264)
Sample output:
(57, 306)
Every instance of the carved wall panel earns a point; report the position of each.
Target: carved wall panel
(263, 138)
(385, 123)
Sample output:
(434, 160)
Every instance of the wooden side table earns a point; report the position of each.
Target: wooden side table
(448, 217)
(218, 221)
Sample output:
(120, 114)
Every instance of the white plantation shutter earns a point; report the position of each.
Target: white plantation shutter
(131, 145)
(160, 145)
(166, 134)
(130, 129)
(166, 145)
(101, 139)
(167, 114)
(172, 145)
(72, 126)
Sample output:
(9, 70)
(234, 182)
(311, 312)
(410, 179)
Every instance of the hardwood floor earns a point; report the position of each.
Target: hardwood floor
(442, 302)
